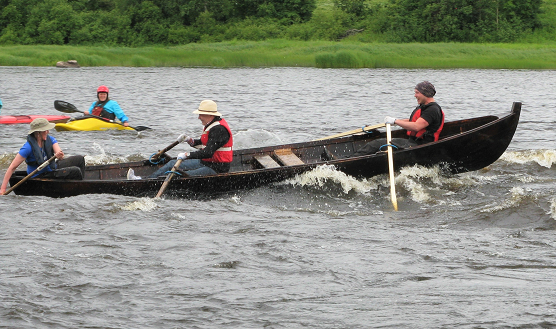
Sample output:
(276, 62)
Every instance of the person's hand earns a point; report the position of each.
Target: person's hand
(59, 155)
(126, 124)
(390, 120)
(86, 113)
(183, 156)
(185, 138)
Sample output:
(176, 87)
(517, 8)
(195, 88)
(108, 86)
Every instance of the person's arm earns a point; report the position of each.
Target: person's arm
(13, 166)
(412, 126)
(90, 109)
(118, 112)
(58, 151)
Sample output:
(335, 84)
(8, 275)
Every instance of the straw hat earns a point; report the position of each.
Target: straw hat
(208, 107)
(40, 124)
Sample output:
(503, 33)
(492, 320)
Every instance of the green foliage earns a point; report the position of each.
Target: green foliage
(460, 20)
(138, 23)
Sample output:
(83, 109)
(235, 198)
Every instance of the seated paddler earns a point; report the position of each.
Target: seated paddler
(423, 126)
(40, 147)
(214, 153)
(107, 108)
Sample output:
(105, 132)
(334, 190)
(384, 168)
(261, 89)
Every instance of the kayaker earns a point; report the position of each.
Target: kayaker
(107, 108)
(423, 126)
(215, 146)
(40, 146)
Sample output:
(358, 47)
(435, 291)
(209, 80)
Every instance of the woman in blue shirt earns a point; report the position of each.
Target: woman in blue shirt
(41, 147)
(107, 108)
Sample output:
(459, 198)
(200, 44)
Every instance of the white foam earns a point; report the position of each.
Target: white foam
(517, 197)
(321, 174)
(544, 158)
(552, 212)
(142, 204)
(254, 138)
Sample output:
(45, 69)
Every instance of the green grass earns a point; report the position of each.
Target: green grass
(285, 53)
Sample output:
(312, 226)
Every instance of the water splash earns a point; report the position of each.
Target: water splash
(518, 196)
(102, 158)
(544, 158)
(143, 204)
(421, 182)
(552, 212)
(322, 174)
(254, 138)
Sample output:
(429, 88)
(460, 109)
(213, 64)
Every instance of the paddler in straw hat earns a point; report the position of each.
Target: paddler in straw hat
(215, 146)
(40, 146)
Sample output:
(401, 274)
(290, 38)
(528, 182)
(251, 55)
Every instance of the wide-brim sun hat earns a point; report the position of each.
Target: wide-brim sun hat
(40, 124)
(208, 107)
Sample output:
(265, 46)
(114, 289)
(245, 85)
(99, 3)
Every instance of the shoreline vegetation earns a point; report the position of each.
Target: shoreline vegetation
(288, 53)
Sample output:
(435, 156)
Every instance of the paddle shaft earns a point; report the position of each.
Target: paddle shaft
(391, 167)
(355, 131)
(41, 167)
(168, 148)
(168, 178)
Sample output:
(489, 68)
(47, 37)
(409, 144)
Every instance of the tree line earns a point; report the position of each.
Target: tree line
(174, 22)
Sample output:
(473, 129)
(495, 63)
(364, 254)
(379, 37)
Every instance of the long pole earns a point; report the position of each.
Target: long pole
(391, 167)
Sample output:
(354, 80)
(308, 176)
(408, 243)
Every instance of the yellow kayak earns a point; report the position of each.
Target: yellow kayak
(90, 124)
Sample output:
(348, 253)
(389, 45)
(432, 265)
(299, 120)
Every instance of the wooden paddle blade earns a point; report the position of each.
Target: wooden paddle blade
(65, 107)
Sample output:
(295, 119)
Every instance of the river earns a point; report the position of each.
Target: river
(322, 250)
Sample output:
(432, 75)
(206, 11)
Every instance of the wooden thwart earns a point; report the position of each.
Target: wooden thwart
(287, 158)
(266, 161)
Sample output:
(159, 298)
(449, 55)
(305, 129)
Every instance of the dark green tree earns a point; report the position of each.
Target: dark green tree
(460, 20)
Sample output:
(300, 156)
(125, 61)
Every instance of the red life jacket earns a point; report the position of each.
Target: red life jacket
(99, 111)
(224, 153)
(419, 134)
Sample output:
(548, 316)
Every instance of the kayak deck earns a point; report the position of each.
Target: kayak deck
(90, 124)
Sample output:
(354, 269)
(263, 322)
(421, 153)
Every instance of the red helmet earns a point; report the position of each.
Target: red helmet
(102, 89)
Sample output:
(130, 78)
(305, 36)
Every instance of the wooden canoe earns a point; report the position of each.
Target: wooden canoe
(464, 145)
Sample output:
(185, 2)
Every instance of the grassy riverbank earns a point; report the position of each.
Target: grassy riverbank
(287, 53)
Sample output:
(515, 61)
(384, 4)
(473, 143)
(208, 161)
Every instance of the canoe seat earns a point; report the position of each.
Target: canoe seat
(266, 161)
(287, 158)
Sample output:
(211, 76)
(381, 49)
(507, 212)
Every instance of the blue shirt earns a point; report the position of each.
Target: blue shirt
(112, 107)
(27, 152)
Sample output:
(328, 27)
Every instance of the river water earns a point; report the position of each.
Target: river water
(323, 250)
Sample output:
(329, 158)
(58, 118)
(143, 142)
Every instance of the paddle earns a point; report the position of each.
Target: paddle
(168, 178)
(355, 131)
(41, 167)
(156, 156)
(70, 108)
(391, 167)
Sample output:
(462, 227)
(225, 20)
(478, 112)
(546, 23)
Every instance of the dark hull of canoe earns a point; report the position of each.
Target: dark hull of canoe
(465, 145)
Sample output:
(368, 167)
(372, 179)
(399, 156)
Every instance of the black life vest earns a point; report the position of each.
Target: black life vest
(38, 152)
